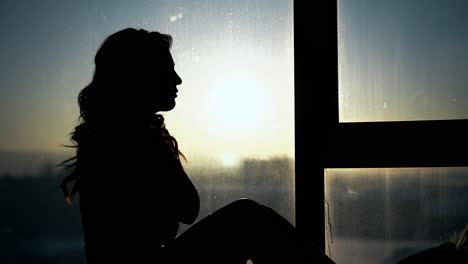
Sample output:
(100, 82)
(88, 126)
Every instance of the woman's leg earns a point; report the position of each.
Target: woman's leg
(240, 231)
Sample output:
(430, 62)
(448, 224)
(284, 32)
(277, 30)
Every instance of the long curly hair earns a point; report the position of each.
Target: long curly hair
(119, 63)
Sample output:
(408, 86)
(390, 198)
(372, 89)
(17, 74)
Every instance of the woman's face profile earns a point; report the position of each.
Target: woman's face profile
(162, 84)
(168, 86)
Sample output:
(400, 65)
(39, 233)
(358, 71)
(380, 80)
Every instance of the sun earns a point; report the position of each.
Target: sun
(237, 103)
(229, 160)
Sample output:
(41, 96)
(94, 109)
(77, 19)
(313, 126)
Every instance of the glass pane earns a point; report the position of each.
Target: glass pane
(236, 62)
(402, 60)
(384, 215)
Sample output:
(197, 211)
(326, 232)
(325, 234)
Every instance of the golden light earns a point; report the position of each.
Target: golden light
(229, 160)
(238, 104)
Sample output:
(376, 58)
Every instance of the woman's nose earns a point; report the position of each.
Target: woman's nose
(178, 80)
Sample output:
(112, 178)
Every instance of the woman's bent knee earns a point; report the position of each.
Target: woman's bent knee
(246, 207)
(245, 203)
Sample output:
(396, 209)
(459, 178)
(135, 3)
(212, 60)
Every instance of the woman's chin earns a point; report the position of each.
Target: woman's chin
(167, 106)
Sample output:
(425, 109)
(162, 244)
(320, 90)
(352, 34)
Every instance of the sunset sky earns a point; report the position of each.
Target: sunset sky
(235, 59)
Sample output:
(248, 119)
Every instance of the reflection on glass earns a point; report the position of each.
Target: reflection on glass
(402, 60)
(234, 117)
(383, 215)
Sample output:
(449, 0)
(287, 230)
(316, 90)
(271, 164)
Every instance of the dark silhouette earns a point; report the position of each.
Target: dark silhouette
(448, 252)
(132, 188)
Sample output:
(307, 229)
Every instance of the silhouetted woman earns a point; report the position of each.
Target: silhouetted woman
(132, 188)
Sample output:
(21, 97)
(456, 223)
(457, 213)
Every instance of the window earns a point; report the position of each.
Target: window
(355, 142)
(258, 34)
(381, 215)
(402, 60)
(234, 118)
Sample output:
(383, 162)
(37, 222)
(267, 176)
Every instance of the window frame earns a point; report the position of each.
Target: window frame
(322, 142)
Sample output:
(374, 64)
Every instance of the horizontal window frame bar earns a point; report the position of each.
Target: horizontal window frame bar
(442, 143)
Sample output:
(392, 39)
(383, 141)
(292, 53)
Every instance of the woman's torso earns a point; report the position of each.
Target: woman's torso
(123, 194)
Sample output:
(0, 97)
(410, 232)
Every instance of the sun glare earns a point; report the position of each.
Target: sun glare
(229, 160)
(238, 103)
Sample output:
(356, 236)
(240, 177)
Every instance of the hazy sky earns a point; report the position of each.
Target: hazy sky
(403, 59)
(223, 50)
